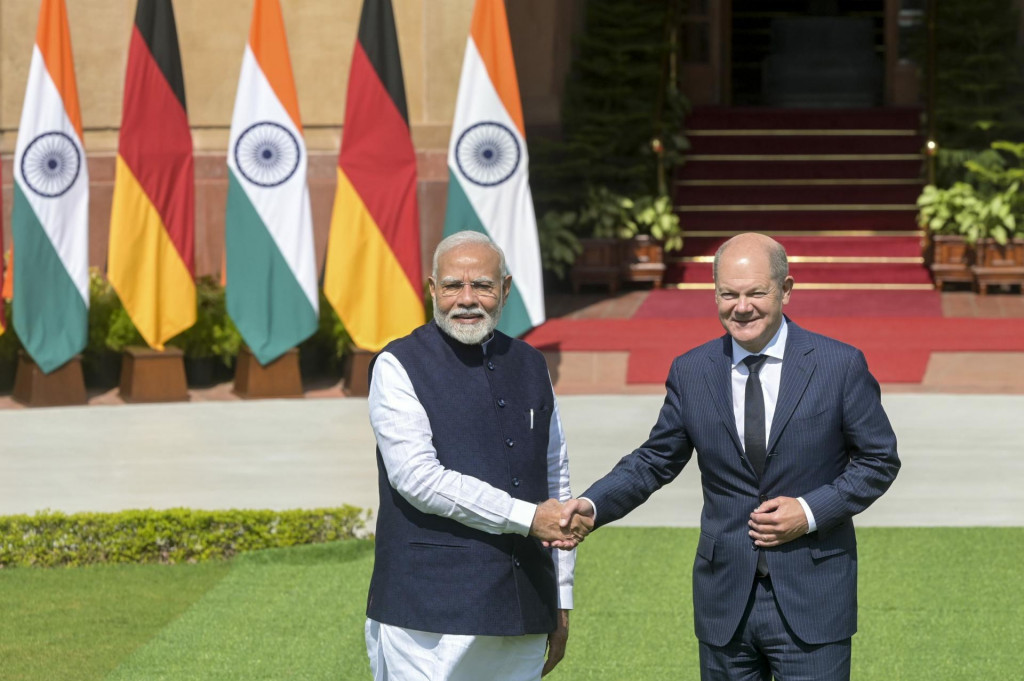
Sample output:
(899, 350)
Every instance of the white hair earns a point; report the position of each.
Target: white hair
(463, 238)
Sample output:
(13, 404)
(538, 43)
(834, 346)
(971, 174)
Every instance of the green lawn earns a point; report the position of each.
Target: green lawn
(934, 604)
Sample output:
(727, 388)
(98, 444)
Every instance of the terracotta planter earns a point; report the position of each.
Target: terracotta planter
(643, 260)
(951, 258)
(995, 264)
(599, 263)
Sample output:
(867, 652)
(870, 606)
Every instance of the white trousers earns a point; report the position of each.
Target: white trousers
(398, 654)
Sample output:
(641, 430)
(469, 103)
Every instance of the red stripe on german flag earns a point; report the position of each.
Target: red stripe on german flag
(378, 157)
(156, 144)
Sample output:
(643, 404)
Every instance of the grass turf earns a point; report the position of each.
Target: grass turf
(935, 603)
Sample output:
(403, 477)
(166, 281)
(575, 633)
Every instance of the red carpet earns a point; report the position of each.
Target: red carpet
(897, 349)
(675, 304)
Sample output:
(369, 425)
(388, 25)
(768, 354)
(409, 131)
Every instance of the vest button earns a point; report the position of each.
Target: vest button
(510, 442)
(501, 401)
(490, 365)
(515, 482)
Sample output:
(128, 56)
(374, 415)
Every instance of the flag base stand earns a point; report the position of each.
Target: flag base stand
(280, 378)
(356, 367)
(62, 387)
(149, 375)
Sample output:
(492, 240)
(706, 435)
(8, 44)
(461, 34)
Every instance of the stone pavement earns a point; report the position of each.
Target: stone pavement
(962, 462)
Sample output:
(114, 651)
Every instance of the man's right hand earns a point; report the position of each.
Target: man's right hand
(546, 526)
(577, 520)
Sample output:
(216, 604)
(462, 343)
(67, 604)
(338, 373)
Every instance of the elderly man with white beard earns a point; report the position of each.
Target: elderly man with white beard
(472, 464)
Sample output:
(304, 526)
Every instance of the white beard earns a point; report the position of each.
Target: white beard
(469, 334)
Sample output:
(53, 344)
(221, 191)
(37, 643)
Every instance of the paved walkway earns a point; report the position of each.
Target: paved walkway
(962, 457)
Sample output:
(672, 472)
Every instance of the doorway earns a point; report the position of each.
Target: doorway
(807, 53)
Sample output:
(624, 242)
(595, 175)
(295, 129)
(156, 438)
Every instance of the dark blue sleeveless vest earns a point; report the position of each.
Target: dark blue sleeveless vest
(433, 573)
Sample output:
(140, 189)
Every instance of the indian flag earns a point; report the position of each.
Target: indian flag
(489, 181)
(271, 270)
(50, 215)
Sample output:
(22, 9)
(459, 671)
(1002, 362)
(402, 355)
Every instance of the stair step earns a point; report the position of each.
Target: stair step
(767, 167)
(827, 119)
(797, 194)
(850, 273)
(789, 221)
(817, 246)
(789, 145)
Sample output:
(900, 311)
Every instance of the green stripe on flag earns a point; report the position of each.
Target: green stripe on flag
(50, 316)
(264, 299)
(460, 216)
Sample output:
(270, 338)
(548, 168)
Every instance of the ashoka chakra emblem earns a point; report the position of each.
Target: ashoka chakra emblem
(487, 153)
(267, 154)
(51, 163)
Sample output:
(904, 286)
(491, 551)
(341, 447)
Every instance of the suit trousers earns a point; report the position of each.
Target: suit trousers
(765, 647)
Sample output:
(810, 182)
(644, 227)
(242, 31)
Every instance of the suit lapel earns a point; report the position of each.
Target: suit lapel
(719, 380)
(797, 368)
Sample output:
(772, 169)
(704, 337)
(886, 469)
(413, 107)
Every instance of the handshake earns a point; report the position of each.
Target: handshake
(563, 526)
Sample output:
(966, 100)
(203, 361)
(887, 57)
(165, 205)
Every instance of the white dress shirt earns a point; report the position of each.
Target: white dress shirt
(771, 378)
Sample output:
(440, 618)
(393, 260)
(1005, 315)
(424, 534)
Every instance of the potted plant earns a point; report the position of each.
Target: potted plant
(9, 347)
(212, 343)
(321, 354)
(627, 239)
(559, 245)
(942, 213)
(101, 363)
(999, 246)
(975, 223)
(657, 231)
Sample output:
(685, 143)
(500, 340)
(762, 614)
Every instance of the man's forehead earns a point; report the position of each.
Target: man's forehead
(469, 257)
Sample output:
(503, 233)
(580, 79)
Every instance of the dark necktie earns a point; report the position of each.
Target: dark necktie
(754, 429)
(753, 415)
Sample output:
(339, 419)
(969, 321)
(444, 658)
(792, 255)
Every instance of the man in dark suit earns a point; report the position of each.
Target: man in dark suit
(792, 442)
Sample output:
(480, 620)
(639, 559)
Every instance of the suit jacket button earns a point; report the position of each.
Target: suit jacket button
(763, 498)
(501, 401)
(753, 546)
(515, 561)
(490, 365)
(515, 482)
(510, 442)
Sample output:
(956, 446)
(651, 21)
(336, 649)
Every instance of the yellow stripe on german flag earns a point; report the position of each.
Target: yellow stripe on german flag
(159, 276)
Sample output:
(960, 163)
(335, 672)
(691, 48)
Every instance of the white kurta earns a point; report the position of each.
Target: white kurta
(404, 437)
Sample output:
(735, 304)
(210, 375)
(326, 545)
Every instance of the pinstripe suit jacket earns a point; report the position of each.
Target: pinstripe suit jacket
(830, 443)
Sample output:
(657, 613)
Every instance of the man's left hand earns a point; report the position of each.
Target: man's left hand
(777, 521)
(556, 642)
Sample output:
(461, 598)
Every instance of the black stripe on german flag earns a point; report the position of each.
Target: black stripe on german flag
(380, 43)
(154, 20)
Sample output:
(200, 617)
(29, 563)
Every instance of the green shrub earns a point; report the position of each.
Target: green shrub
(50, 539)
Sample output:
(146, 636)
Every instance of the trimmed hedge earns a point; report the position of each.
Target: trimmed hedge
(181, 535)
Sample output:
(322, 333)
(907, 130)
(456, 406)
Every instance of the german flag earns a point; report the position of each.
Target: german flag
(3, 278)
(372, 274)
(151, 258)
